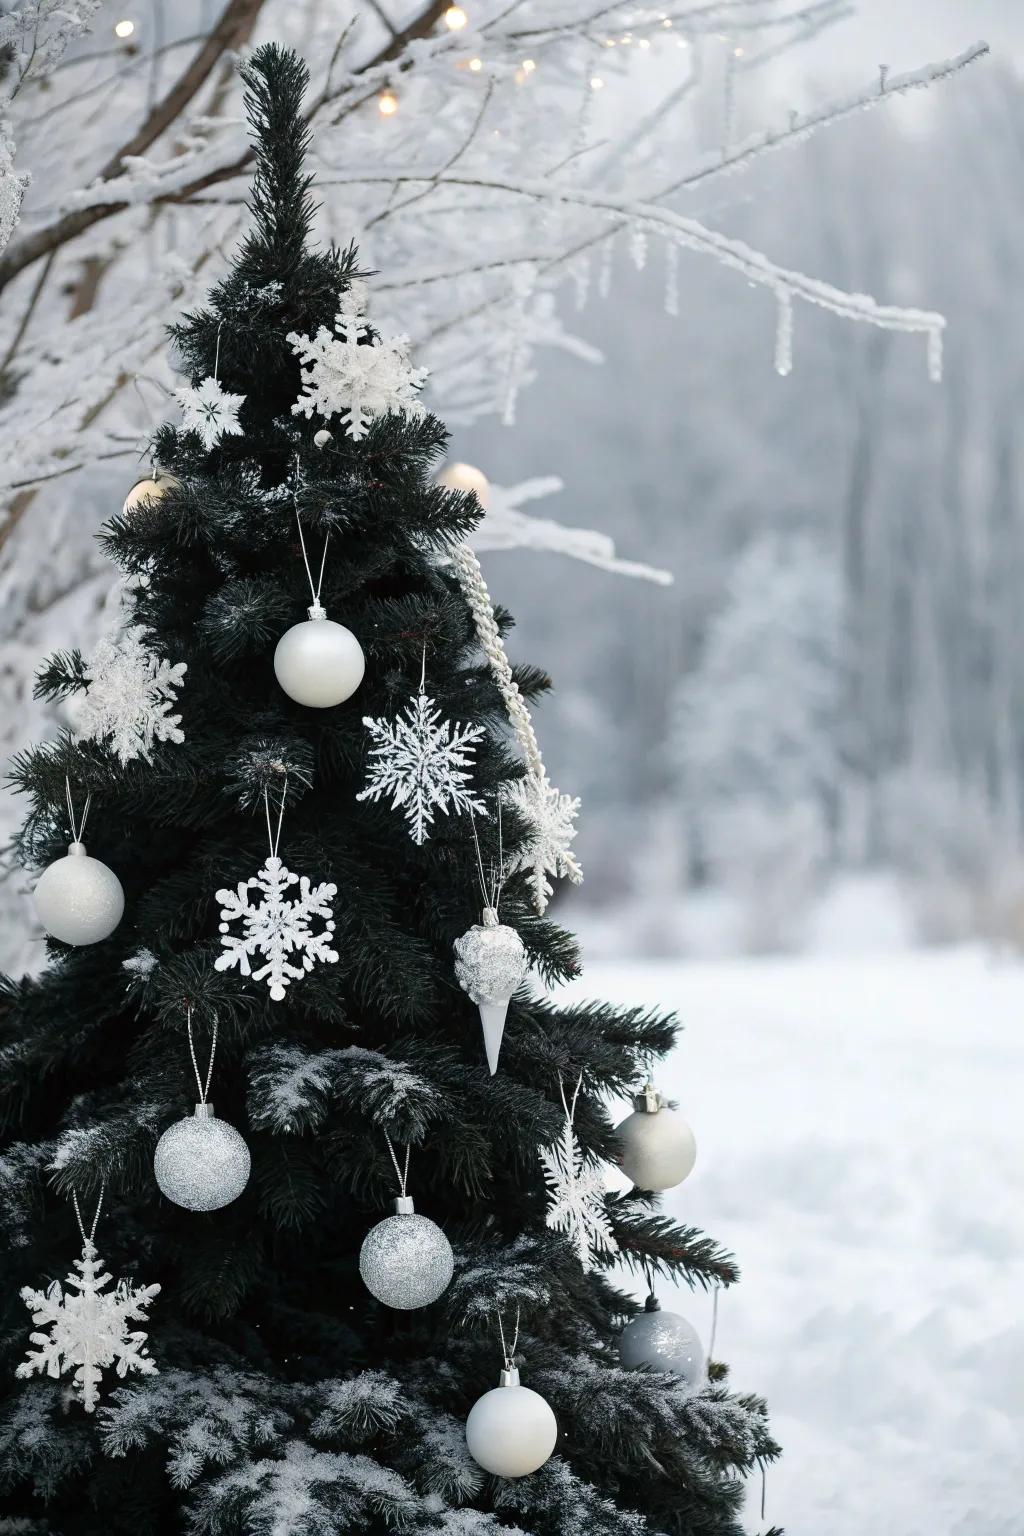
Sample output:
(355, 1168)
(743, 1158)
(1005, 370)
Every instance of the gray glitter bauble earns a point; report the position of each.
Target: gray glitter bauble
(78, 899)
(490, 960)
(406, 1261)
(662, 1341)
(201, 1163)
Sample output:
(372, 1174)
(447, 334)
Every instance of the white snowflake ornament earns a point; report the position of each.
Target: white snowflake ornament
(208, 410)
(551, 818)
(423, 763)
(277, 926)
(576, 1196)
(89, 1330)
(350, 374)
(129, 696)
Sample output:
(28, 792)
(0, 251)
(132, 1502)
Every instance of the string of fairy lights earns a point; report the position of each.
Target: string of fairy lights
(456, 18)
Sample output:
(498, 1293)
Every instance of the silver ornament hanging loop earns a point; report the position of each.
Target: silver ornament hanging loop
(204, 1088)
(77, 832)
(89, 1240)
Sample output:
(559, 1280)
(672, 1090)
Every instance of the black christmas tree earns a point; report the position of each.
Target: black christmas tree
(296, 870)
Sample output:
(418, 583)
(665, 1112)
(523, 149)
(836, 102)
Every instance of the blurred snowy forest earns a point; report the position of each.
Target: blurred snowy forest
(833, 682)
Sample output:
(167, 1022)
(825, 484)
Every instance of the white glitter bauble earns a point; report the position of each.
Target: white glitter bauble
(406, 1261)
(657, 1147)
(319, 663)
(201, 1163)
(78, 899)
(511, 1430)
(466, 477)
(490, 962)
(662, 1341)
(150, 489)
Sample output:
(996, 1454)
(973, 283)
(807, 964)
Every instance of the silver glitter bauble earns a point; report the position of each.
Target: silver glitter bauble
(201, 1163)
(490, 962)
(511, 1430)
(406, 1261)
(657, 1147)
(78, 899)
(662, 1341)
(319, 663)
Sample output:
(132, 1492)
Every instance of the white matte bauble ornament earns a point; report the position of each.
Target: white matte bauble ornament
(406, 1261)
(322, 438)
(319, 663)
(466, 477)
(662, 1341)
(201, 1163)
(78, 899)
(152, 488)
(490, 962)
(511, 1430)
(658, 1149)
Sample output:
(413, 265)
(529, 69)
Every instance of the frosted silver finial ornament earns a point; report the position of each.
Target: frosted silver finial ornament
(662, 1341)
(490, 963)
(78, 899)
(511, 1430)
(406, 1261)
(201, 1163)
(657, 1147)
(318, 663)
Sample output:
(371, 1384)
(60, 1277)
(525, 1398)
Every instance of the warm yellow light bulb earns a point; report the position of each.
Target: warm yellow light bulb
(387, 103)
(529, 65)
(644, 43)
(596, 83)
(455, 18)
(124, 28)
(476, 65)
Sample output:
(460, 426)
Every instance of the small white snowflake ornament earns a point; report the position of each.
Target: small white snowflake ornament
(208, 410)
(89, 1329)
(551, 818)
(423, 763)
(576, 1191)
(129, 696)
(350, 374)
(278, 926)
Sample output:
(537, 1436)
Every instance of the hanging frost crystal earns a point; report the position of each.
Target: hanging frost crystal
(784, 333)
(672, 279)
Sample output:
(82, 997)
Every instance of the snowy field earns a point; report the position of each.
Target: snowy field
(860, 1125)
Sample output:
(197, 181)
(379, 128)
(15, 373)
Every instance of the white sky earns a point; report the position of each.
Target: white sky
(907, 33)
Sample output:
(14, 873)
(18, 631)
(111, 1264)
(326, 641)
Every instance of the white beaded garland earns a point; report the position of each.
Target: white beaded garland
(511, 1430)
(657, 1147)
(319, 663)
(78, 899)
(406, 1261)
(201, 1163)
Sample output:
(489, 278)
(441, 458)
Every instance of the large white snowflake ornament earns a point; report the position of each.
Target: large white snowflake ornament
(89, 1328)
(208, 410)
(349, 374)
(277, 926)
(576, 1197)
(551, 818)
(422, 762)
(129, 696)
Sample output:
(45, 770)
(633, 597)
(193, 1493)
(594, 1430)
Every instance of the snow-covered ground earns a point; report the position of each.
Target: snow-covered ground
(860, 1125)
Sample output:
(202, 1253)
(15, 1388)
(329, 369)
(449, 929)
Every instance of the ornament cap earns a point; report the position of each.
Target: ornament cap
(509, 1377)
(490, 917)
(205, 1111)
(650, 1101)
(404, 1206)
(76, 850)
(317, 611)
